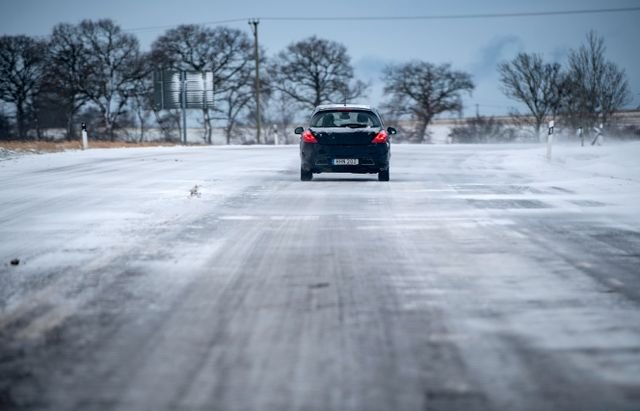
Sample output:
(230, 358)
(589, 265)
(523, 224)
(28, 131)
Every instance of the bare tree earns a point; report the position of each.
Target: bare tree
(250, 111)
(224, 51)
(315, 71)
(22, 64)
(142, 100)
(596, 87)
(114, 66)
(5, 126)
(237, 100)
(536, 84)
(422, 90)
(68, 70)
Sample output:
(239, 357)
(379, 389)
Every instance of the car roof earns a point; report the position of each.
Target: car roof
(343, 106)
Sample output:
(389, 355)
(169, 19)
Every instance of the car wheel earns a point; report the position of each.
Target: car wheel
(383, 175)
(305, 175)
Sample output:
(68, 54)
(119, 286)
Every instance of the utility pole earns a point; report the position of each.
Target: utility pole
(254, 27)
(183, 105)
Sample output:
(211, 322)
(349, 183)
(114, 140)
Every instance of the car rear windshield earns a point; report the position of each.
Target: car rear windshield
(345, 118)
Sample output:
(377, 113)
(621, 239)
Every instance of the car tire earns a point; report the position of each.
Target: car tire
(305, 175)
(383, 175)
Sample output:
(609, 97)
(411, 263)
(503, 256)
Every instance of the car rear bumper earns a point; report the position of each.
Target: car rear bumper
(318, 158)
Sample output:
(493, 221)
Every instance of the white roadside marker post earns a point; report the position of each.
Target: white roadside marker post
(85, 139)
(550, 139)
(581, 135)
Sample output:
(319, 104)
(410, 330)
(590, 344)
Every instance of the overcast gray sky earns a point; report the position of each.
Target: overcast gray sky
(475, 45)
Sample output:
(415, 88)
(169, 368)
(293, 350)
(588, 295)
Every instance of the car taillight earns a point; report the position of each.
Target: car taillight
(380, 138)
(308, 137)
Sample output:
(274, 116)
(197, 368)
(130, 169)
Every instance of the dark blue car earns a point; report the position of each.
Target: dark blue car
(345, 139)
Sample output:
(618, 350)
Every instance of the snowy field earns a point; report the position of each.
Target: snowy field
(480, 277)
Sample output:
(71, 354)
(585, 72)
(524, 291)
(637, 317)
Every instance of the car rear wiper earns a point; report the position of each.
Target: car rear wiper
(354, 125)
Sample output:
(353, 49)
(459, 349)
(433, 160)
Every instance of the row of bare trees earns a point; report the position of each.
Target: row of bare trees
(92, 63)
(96, 71)
(585, 94)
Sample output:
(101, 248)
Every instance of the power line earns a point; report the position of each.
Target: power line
(424, 17)
(459, 16)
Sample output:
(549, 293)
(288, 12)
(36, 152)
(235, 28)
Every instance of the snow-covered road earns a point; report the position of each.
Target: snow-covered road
(480, 277)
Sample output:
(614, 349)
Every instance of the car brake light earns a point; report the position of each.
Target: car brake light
(380, 138)
(308, 137)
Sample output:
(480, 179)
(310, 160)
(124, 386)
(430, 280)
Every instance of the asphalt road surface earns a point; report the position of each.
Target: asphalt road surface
(465, 283)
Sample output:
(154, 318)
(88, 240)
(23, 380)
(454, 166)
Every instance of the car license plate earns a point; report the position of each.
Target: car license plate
(345, 162)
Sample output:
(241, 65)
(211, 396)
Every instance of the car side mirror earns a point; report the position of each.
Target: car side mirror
(392, 131)
(298, 130)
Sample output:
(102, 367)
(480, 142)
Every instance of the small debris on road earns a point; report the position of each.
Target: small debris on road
(15, 261)
(194, 192)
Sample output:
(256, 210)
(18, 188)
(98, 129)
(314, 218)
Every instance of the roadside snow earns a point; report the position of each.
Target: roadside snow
(605, 176)
(82, 200)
